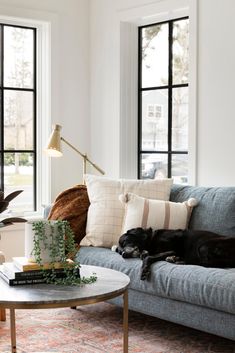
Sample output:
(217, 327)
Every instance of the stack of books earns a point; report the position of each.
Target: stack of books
(20, 271)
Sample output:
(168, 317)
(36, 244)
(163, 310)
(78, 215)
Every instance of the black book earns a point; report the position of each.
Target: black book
(41, 278)
(13, 272)
(15, 282)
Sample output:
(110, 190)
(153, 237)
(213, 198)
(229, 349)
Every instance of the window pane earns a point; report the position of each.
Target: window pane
(18, 120)
(180, 119)
(18, 57)
(180, 51)
(155, 55)
(180, 168)
(153, 166)
(154, 120)
(18, 175)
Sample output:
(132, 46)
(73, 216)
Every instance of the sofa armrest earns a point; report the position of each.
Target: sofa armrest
(46, 211)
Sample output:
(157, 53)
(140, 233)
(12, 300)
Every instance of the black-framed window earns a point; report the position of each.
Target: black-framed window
(18, 114)
(163, 100)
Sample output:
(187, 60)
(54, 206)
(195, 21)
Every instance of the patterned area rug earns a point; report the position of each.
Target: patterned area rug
(98, 329)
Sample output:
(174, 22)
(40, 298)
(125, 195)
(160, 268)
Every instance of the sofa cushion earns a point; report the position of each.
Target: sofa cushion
(157, 214)
(105, 214)
(216, 207)
(209, 287)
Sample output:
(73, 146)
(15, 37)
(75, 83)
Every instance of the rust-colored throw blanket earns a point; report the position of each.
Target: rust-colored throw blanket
(72, 205)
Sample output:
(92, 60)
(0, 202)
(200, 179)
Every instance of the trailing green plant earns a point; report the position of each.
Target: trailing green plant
(61, 248)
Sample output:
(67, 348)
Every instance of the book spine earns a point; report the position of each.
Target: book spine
(26, 268)
(15, 282)
(34, 274)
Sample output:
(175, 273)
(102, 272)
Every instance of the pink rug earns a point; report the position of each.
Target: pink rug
(98, 329)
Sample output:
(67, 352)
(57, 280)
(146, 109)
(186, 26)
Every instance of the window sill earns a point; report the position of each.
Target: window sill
(20, 226)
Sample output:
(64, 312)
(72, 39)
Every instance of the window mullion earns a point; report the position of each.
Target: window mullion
(35, 121)
(139, 101)
(170, 47)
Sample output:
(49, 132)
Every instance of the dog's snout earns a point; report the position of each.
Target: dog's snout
(130, 252)
(125, 255)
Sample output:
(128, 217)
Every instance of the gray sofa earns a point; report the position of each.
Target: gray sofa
(194, 296)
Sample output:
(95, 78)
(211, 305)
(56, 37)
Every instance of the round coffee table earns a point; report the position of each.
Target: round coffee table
(109, 284)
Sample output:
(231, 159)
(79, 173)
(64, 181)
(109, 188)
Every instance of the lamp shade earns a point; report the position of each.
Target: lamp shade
(53, 148)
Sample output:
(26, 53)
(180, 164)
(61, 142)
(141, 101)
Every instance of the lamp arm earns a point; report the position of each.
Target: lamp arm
(74, 148)
(95, 165)
(84, 156)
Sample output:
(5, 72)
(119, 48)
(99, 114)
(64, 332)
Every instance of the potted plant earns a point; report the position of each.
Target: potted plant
(51, 245)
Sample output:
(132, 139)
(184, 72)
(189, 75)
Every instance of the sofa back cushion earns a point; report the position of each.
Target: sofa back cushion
(215, 210)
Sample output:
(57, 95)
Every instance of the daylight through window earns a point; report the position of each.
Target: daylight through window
(163, 100)
(18, 114)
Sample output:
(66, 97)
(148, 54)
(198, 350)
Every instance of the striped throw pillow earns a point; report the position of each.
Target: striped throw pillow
(157, 214)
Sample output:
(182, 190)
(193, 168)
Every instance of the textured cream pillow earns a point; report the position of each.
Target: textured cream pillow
(145, 213)
(105, 213)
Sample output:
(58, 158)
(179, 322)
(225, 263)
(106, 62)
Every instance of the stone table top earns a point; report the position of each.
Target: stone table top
(109, 284)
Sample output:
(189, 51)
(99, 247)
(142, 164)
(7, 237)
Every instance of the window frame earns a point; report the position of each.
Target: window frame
(43, 102)
(128, 21)
(3, 89)
(169, 87)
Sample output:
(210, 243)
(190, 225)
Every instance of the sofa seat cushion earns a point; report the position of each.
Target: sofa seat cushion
(209, 287)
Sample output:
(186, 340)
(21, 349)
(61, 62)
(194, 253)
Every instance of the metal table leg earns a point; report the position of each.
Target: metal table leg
(125, 322)
(2, 314)
(13, 331)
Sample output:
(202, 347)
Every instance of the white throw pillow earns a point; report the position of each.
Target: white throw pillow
(105, 213)
(145, 213)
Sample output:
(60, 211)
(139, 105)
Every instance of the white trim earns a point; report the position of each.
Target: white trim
(43, 93)
(43, 113)
(153, 12)
(193, 94)
(129, 20)
(128, 100)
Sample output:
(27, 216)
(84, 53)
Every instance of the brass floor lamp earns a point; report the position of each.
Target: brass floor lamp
(53, 149)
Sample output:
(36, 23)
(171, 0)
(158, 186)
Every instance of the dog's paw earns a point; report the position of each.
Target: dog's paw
(172, 259)
(114, 248)
(175, 260)
(145, 274)
(144, 254)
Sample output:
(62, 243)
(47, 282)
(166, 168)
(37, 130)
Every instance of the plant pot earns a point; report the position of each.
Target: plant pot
(50, 237)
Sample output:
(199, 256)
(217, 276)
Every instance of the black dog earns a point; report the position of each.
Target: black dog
(191, 247)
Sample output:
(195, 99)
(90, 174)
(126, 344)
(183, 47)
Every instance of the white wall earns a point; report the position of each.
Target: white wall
(216, 77)
(216, 108)
(69, 77)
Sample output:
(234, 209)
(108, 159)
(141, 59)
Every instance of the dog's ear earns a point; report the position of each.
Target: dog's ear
(178, 233)
(149, 232)
(159, 231)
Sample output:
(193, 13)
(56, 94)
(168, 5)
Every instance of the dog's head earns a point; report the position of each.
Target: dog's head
(133, 242)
